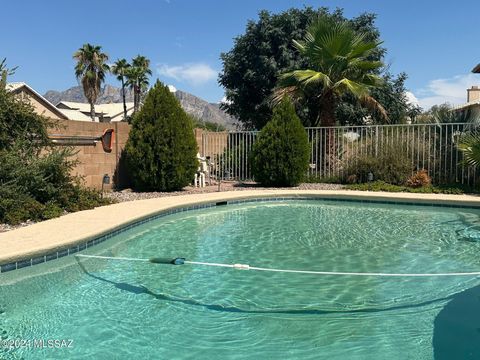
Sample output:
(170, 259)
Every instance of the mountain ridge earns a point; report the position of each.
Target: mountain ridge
(193, 105)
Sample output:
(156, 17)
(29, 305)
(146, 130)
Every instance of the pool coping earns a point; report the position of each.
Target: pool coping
(69, 234)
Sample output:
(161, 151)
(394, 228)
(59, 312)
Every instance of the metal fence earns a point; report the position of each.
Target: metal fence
(335, 150)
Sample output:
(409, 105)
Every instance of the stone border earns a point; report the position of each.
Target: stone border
(16, 255)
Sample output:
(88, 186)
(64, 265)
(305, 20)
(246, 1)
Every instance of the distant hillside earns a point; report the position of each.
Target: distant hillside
(109, 94)
(193, 105)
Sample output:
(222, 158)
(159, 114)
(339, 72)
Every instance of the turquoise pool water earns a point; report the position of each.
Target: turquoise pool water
(104, 309)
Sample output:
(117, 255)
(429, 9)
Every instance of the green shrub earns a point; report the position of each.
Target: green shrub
(161, 148)
(391, 165)
(36, 181)
(454, 189)
(281, 154)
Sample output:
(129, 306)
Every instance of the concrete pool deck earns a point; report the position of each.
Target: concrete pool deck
(73, 229)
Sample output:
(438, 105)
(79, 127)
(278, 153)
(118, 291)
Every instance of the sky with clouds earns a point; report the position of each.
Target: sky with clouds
(435, 42)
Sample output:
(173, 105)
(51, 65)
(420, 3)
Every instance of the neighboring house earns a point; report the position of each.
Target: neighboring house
(103, 112)
(473, 99)
(473, 103)
(41, 105)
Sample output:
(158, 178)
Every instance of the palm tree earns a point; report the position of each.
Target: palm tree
(137, 78)
(339, 64)
(469, 145)
(120, 68)
(90, 70)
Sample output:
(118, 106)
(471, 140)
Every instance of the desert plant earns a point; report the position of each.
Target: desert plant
(391, 165)
(281, 153)
(439, 189)
(161, 148)
(419, 179)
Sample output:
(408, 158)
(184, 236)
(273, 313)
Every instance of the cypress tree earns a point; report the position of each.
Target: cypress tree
(280, 154)
(161, 148)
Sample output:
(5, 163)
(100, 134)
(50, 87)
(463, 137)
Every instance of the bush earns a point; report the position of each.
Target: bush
(281, 154)
(161, 148)
(35, 178)
(391, 165)
(419, 179)
(39, 187)
(454, 189)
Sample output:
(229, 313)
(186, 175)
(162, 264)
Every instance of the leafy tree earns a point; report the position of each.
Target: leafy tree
(119, 69)
(207, 125)
(4, 72)
(19, 121)
(390, 94)
(137, 79)
(252, 67)
(91, 69)
(338, 64)
(281, 153)
(161, 148)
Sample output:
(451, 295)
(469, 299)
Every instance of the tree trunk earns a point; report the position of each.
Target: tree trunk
(124, 102)
(135, 98)
(92, 111)
(327, 119)
(327, 112)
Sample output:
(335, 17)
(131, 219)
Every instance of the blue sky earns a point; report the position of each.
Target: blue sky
(436, 43)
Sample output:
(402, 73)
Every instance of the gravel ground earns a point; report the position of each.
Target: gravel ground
(128, 195)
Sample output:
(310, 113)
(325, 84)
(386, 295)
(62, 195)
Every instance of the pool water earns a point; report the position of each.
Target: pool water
(109, 309)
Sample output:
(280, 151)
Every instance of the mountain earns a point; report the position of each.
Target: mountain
(204, 110)
(192, 104)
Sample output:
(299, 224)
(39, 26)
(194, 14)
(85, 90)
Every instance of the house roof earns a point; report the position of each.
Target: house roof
(467, 105)
(75, 115)
(16, 87)
(476, 69)
(114, 111)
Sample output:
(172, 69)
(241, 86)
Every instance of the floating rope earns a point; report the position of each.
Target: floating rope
(181, 261)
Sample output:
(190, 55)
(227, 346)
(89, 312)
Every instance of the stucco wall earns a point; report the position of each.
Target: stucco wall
(38, 106)
(94, 162)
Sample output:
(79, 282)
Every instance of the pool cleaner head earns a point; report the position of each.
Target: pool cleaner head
(176, 261)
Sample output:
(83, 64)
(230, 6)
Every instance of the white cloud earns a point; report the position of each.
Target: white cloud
(172, 88)
(411, 98)
(225, 101)
(193, 73)
(452, 90)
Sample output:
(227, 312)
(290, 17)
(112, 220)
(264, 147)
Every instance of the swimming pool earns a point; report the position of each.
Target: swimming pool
(105, 309)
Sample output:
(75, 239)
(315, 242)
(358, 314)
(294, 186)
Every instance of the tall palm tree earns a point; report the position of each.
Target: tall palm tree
(137, 78)
(339, 64)
(120, 68)
(90, 70)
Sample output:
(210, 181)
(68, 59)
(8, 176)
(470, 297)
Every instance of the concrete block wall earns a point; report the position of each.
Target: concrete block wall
(94, 162)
